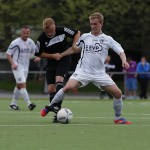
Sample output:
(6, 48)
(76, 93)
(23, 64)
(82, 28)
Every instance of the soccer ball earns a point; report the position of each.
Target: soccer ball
(64, 115)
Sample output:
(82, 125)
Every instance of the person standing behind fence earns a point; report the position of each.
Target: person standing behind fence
(131, 79)
(18, 54)
(143, 67)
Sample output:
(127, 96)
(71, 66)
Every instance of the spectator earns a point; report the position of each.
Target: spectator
(143, 67)
(131, 79)
(110, 67)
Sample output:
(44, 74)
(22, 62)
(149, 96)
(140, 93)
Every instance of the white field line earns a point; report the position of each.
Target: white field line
(71, 124)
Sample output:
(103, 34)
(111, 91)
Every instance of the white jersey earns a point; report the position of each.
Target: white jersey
(94, 52)
(21, 52)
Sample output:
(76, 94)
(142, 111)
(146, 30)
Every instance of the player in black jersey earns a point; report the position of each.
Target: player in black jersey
(51, 44)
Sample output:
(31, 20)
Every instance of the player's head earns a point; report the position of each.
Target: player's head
(25, 33)
(96, 22)
(49, 27)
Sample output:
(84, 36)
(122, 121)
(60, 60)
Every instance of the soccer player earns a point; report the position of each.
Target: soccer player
(94, 48)
(18, 54)
(51, 42)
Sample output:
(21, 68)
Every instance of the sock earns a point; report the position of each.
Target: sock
(16, 95)
(117, 104)
(58, 97)
(25, 96)
(51, 96)
(59, 85)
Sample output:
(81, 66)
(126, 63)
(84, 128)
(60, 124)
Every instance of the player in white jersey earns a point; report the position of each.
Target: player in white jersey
(94, 48)
(18, 54)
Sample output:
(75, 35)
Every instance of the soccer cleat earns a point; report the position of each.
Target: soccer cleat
(31, 106)
(44, 112)
(14, 107)
(54, 120)
(52, 108)
(122, 121)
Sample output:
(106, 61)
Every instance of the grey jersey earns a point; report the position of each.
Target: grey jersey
(21, 52)
(94, 52)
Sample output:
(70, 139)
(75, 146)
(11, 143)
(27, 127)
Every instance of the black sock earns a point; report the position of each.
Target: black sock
(59, 85)
(51, 96)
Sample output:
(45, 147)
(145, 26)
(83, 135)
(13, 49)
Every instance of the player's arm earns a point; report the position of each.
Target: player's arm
(123, 58)
(71, 50)
(56, 56)
(10, 59)
(76, 38)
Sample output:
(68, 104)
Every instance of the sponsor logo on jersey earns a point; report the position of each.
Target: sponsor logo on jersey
(55, 40)
(93, 48)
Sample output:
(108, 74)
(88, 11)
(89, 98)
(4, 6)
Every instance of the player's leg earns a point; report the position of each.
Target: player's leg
(50, 78)
(117, 103)
(16, 95)
(74, 81)
(107, 84)
(21, 84)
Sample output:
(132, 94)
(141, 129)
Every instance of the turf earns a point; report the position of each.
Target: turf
(92, 127)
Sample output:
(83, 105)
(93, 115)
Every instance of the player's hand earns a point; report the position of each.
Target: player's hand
(37, 59)
(57, 56)
(125, 65)
(14, 66)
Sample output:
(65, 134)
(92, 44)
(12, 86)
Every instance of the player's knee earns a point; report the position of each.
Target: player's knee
(118, 94)
(67, 89)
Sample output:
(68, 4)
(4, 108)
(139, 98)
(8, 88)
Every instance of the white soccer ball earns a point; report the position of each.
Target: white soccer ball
(64, 115)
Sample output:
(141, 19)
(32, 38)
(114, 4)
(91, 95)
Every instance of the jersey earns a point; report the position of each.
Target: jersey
(94, 52)
(21, 52)
(56, 44)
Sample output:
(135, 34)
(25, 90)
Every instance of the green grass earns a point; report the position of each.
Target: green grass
(92, 127)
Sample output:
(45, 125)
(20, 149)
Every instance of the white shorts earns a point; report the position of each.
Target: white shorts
(100, 80)
(20, 75)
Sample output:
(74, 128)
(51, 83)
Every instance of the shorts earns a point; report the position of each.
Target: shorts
(131, 84)
(61, 70)
(20, 75)
(98, 80)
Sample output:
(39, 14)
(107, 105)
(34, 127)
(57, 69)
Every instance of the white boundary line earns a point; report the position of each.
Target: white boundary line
(71, 124)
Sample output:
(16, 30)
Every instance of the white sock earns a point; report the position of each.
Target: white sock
(25, 96)
(58, 97)
(16, 95)
(117, 104)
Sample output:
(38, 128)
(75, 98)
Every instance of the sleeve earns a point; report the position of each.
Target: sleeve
(81, 42)
(12, 47)
(70, 32)
(114, 45)
(39, 48)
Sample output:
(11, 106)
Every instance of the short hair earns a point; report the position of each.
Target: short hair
(98, 16)
(47, 22)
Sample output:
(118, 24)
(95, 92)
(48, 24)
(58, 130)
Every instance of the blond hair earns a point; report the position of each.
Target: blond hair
(47, 22)
(98, 16)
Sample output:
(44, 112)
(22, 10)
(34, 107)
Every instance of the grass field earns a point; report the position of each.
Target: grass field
(92, 127)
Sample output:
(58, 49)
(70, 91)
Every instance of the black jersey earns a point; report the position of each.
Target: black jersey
(56, 44)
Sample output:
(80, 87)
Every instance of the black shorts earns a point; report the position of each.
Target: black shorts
(60, 70)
